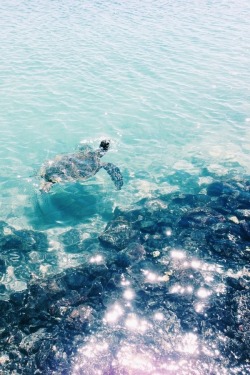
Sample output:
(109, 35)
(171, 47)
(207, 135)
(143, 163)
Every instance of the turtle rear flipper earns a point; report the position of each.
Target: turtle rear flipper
(115, 174)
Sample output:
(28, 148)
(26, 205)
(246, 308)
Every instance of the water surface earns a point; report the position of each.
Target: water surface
(168, 82)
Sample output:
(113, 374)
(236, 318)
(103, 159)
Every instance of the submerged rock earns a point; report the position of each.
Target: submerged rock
(72, 241)
(31, 343)
(22, 240)
(245, 227)
(168, 278)
(2, 266)
(118, 234)
(219, 188)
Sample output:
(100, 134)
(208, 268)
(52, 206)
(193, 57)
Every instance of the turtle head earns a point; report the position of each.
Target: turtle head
(104, 145)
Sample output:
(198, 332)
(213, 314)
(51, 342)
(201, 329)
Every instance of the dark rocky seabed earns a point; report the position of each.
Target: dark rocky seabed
(171, 250)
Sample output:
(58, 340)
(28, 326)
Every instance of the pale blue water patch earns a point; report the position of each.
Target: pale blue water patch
(167, 81)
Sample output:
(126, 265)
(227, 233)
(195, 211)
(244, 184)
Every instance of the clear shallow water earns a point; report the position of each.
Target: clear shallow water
(167, 82)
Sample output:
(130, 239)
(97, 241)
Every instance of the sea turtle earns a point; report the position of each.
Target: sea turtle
(79, 166)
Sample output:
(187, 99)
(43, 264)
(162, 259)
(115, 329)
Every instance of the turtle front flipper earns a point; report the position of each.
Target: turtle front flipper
(114, 173)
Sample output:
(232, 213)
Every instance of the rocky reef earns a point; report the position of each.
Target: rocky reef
(166, 290)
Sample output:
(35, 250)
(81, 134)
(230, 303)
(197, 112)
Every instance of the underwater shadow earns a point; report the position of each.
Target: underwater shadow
(69, 205)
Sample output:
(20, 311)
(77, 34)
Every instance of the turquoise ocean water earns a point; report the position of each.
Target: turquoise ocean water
(166, 81)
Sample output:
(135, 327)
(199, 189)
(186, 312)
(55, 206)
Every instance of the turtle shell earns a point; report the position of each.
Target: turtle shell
(78, 166)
